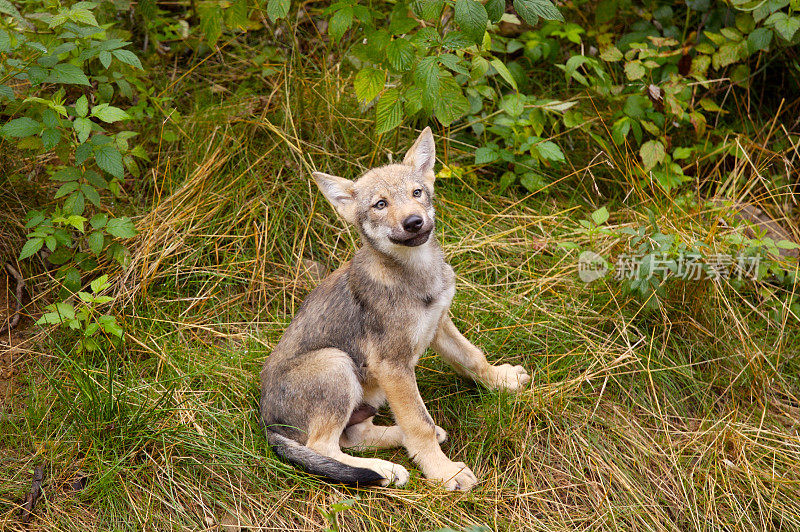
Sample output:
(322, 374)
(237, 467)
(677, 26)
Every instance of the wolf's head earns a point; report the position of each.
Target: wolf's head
(392, 206)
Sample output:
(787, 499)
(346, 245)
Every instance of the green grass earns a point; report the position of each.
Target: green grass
(679, 419)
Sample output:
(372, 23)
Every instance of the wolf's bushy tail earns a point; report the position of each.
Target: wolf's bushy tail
(316, 464)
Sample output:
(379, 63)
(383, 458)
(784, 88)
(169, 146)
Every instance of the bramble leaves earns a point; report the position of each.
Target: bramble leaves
(67, 73)
(121, 227)
(109, 159)
(400, 54)
(21, 127)
(471, 17)
(340, 22)
(389, 113)
(531, 10)
(369, 83)
(653, 153)
(109, 114)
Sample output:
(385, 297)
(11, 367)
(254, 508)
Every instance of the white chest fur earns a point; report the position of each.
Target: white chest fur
(428, 319)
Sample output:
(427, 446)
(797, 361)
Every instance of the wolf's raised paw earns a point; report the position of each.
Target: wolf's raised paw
(507, 376)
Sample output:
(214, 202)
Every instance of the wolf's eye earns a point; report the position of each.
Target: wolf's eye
(417, 193)
(380, 205)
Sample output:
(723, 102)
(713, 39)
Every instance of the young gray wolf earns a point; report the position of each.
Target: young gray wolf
(356, 339)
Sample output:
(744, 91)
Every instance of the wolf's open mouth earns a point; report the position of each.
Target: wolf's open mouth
(416, 240)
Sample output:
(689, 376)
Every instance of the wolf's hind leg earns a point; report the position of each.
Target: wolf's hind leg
(333, 391)
(324, 439)
(366, 435)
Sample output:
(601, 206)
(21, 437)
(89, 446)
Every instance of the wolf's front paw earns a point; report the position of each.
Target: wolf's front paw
(454, 476)
(506, 376)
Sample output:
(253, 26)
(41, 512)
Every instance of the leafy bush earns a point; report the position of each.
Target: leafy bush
(60, 72)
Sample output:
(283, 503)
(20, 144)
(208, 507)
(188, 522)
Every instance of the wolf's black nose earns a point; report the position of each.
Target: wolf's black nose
(413, 223)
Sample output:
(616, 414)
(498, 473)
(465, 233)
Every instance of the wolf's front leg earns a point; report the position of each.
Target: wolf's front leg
(419, 432)
(469, 361)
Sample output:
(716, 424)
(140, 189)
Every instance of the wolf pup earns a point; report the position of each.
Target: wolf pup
(356, 339)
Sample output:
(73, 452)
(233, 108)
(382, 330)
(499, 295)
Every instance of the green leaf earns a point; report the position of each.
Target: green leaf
(21, 127)
(681, 153)
(6, 93)
(786, 244)
(31, 247)
(530, 10)
(109, 114)
(513, 104)
(611, 54)
(550, 151)
(456, 40)
(726, 55)
(453, 62)
(82, 106)
(128, 57)
(634, 70)
(472, 18)
(653, 153)
(389, 113)
(9, 9)
(340, 22)
(504, 73)
(426, 76)
(91, 194)
(61, 312)
(76, 221)
(96, 241)
(400, 54)
(109, 159)
(759, 39)
(100, 284)
(83, 127)
(99, 220)
(532, 181)
(451, 103)
(110, 325)
(67, 188)
(785, 25)
(121, 227)
(50, 138)
(369, 83)
(105, 58)
(495, 9)
(278, 9)
(600, 216)
(82, 15)
(428, 9)
(486, 155)
(67, 73)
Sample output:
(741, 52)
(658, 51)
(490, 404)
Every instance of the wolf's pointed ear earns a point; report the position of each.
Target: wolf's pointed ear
(422, 156)
(340, 193)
